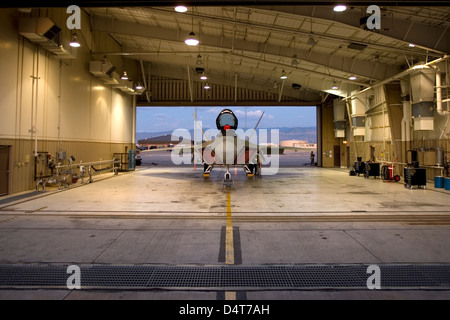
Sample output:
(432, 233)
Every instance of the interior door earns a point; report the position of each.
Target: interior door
(4, 169)
(337, 156)
(347, 151)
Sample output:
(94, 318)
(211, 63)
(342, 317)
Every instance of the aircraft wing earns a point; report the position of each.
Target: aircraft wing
(184, 148)
(268, 148)
(157, 149)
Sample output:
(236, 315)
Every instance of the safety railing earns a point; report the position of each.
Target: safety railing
(65, 175)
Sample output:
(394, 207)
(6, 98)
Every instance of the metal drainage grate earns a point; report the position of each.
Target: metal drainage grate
(349, 276)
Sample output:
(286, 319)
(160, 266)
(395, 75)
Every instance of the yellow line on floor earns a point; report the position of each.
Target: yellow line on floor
(229, 244)
(229, 247)
(230, 295)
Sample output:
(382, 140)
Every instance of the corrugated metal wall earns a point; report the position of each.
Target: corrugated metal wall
(47, 100)
(22, 170)
(174, 90)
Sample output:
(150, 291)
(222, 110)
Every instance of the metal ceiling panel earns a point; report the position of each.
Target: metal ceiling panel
(261, 41)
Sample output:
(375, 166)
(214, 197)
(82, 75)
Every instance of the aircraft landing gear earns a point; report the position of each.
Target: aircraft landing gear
(253, 169)
(249, 169)
(227, 181)
(206, 170)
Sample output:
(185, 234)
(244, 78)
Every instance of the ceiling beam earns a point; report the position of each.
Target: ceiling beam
(353, 22)
(270, 72)
(359, 67)
(228, 79)
(190, 3)
(227, 104)
(434, 39)
(167, 57)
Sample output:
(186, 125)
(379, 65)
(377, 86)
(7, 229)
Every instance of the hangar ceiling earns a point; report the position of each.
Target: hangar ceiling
(251, 46)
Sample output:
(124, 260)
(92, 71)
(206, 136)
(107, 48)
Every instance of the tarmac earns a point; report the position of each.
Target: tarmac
(173, 217)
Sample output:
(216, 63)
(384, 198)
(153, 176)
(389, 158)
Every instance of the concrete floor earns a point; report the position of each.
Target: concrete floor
(172, 215)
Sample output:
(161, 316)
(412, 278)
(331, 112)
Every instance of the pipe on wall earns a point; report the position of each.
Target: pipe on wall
(439, 107)
(35, 99)
(399, 75)
(406, 101)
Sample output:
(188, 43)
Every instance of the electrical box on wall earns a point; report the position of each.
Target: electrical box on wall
(61, 155)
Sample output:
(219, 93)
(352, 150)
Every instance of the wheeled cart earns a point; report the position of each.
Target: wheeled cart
(372, 169)
(415, 176)
(359, 167)
(387, 173)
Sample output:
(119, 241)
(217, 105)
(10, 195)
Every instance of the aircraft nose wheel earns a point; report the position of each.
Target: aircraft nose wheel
(227, 181)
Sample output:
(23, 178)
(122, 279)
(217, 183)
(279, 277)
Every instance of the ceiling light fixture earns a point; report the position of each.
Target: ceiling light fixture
(311, 41)
(180, 9)
(192, 40)
(340, 8)
(294, 62)
(124, 76)
(283, 75)
(412, 45)
(199, 60)
(207, 87)
(203, 76)
(139, 86)
(352, 78)
(334, 87)
(74, 42)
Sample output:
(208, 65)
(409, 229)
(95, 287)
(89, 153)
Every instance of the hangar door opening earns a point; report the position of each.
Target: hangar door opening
(291, 127)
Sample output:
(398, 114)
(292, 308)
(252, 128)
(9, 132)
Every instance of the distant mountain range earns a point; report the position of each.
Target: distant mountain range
(297, 133)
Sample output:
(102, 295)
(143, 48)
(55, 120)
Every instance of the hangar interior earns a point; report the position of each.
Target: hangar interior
(381, 93)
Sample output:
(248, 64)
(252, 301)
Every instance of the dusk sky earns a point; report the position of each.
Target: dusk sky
(155, 119)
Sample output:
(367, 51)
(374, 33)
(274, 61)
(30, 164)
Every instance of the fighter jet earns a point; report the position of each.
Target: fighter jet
(228, 148)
